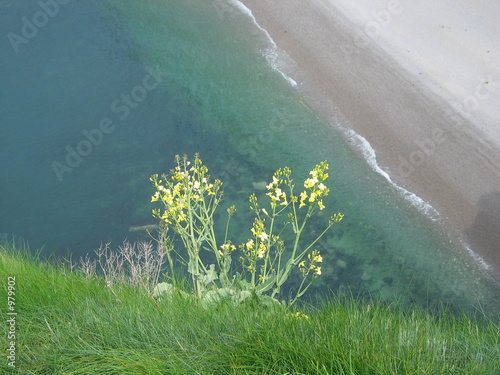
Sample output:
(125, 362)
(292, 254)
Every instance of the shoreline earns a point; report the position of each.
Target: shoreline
(427, 143)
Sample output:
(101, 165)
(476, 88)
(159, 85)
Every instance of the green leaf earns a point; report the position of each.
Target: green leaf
(210, 298)
(285, 273)
(265, 286)
(191, 266)
(226, 293)
(162, 288)
(167, 289)
(242, 296)
(210, 276)
(269, 301)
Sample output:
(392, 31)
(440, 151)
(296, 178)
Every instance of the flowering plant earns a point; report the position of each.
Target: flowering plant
(190, 200)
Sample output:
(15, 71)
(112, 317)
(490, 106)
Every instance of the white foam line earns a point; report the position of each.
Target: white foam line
(370, 156)
(271, 53)
(477, 258)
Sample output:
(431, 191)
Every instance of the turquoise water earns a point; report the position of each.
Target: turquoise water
(107, 92)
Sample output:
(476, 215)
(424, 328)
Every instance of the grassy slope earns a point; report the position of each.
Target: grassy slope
(69, 325)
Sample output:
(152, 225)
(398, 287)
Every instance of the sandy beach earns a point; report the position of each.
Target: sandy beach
(421, 82)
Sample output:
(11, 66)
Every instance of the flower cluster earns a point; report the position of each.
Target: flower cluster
(226, 249)
(257, 247)
(314, 258)
(315, 187)
(190, 199)
(277, 195)
(187, 187)
(335, 218)
(257, 250)
(298, 315)
(173, 199)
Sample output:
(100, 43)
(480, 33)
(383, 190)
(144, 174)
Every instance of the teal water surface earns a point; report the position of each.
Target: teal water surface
(107, 92)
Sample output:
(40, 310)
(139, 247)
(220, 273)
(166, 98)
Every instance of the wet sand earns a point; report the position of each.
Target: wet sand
(421, 82)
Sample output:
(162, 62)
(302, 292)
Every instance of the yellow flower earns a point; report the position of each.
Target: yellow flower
(182, 216)
(273, 184)
(298, 315)
(336, 218)
(315, 257)
(261, 251)
(303, 197)
(285, 201)
(273, 197)
(310, 182)
(227, 248)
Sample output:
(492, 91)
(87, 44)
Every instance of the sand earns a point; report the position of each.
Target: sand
(421, 82)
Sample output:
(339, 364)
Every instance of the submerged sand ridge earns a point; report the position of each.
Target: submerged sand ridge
(421, 82)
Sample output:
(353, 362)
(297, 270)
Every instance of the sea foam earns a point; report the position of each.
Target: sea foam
(370, 156)
(271, 53)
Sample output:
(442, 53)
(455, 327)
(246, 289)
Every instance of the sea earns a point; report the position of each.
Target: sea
(98, 95)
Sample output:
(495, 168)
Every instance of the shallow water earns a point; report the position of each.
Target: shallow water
(107, 92)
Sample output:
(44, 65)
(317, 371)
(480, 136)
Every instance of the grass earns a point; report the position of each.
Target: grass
(70, 324)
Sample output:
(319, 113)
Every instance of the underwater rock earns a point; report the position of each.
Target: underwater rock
(140, 228)
(260, 185)
(365, 276)
(340, 263)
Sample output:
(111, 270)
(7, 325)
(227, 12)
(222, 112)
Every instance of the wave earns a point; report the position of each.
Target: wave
(370, 156)
(271, 53)
(477, 258)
